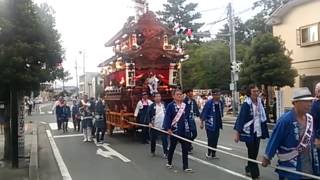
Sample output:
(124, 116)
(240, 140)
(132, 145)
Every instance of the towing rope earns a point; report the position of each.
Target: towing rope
(228, 153)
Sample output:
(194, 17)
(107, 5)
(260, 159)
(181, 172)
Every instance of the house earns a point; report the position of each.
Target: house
(297, 23)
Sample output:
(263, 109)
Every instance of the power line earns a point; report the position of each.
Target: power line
(243, 11)
(212, 9)
(216, 22)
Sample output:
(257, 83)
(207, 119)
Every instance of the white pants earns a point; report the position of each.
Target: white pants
(87, 133)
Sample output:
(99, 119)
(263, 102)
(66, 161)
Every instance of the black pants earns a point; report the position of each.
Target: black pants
(253, 150)
(153, 136)
(145, 134)
(93, 130)
(213, 137)
(192, 137)
(76, 124)
(59, 123)
(184, 147)
(64, 125)
(103, 131)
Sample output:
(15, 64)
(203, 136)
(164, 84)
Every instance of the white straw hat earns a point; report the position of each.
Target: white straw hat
(302, 94)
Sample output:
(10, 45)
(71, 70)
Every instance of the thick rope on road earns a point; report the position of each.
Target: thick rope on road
(228, 153)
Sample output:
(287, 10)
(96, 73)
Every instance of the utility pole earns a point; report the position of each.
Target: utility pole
(84, 70)
(234, 74)
(77, 84)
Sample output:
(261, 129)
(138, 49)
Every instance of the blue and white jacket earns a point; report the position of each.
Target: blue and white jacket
(245, 125)
(192, 110)
(209, 115)
(182, 127)
(284, 142)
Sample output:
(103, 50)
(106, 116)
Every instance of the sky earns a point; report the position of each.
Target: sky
(86, 25)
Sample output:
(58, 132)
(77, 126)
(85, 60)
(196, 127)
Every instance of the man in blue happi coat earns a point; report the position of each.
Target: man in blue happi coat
(293, 139)
(175, 122)
(251, 126)
(212, 114)
(192, 111)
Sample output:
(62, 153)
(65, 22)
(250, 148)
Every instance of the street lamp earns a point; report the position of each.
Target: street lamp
(84, 70)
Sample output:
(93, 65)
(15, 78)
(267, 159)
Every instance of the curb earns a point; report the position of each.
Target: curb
(34, 164)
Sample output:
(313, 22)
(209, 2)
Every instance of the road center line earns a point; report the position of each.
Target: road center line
(213, 165)
(219, 146)
(62, 166)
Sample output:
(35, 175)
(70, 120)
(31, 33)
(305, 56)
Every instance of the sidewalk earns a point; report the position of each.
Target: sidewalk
(47, 168)
(22, 173)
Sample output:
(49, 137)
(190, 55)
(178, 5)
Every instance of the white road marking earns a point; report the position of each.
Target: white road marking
(67, 135)
(54, 126)
(215, 166)
(112, 152)
(62, 166)
(105, 154)
(232, 125)
(43, 122)
(42, 106)
(219, 146)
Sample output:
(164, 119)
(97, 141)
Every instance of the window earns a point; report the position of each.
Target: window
(309, 35)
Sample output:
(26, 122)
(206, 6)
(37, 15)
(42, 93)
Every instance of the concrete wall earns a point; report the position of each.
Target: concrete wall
(305, 59)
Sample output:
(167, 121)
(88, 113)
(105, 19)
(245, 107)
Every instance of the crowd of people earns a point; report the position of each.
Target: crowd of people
(295, 138)
(88, 116)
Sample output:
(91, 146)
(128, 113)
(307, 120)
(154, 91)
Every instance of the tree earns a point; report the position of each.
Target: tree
(269, 6)
(177, 11)
(30, 53)
(267, 63)
(257, 25)
(240, 32)
(64, 76)
(207, 66)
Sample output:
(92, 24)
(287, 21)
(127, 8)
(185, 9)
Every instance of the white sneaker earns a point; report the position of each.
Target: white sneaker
(208, 156)
(169, 166)
(85, 140)
(188, 170)
(89, 140)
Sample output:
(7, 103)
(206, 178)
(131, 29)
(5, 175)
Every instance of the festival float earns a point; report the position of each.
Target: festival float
(143, 61)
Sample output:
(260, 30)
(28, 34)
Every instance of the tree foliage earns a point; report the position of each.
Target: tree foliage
(178, 11)
(207, 66)
(30, 50)
(241, 32)
(267, 63)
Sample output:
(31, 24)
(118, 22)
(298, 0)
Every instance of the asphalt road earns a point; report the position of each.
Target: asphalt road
(123, 157)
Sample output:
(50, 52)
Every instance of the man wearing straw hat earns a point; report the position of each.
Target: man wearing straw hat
(293, 139)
